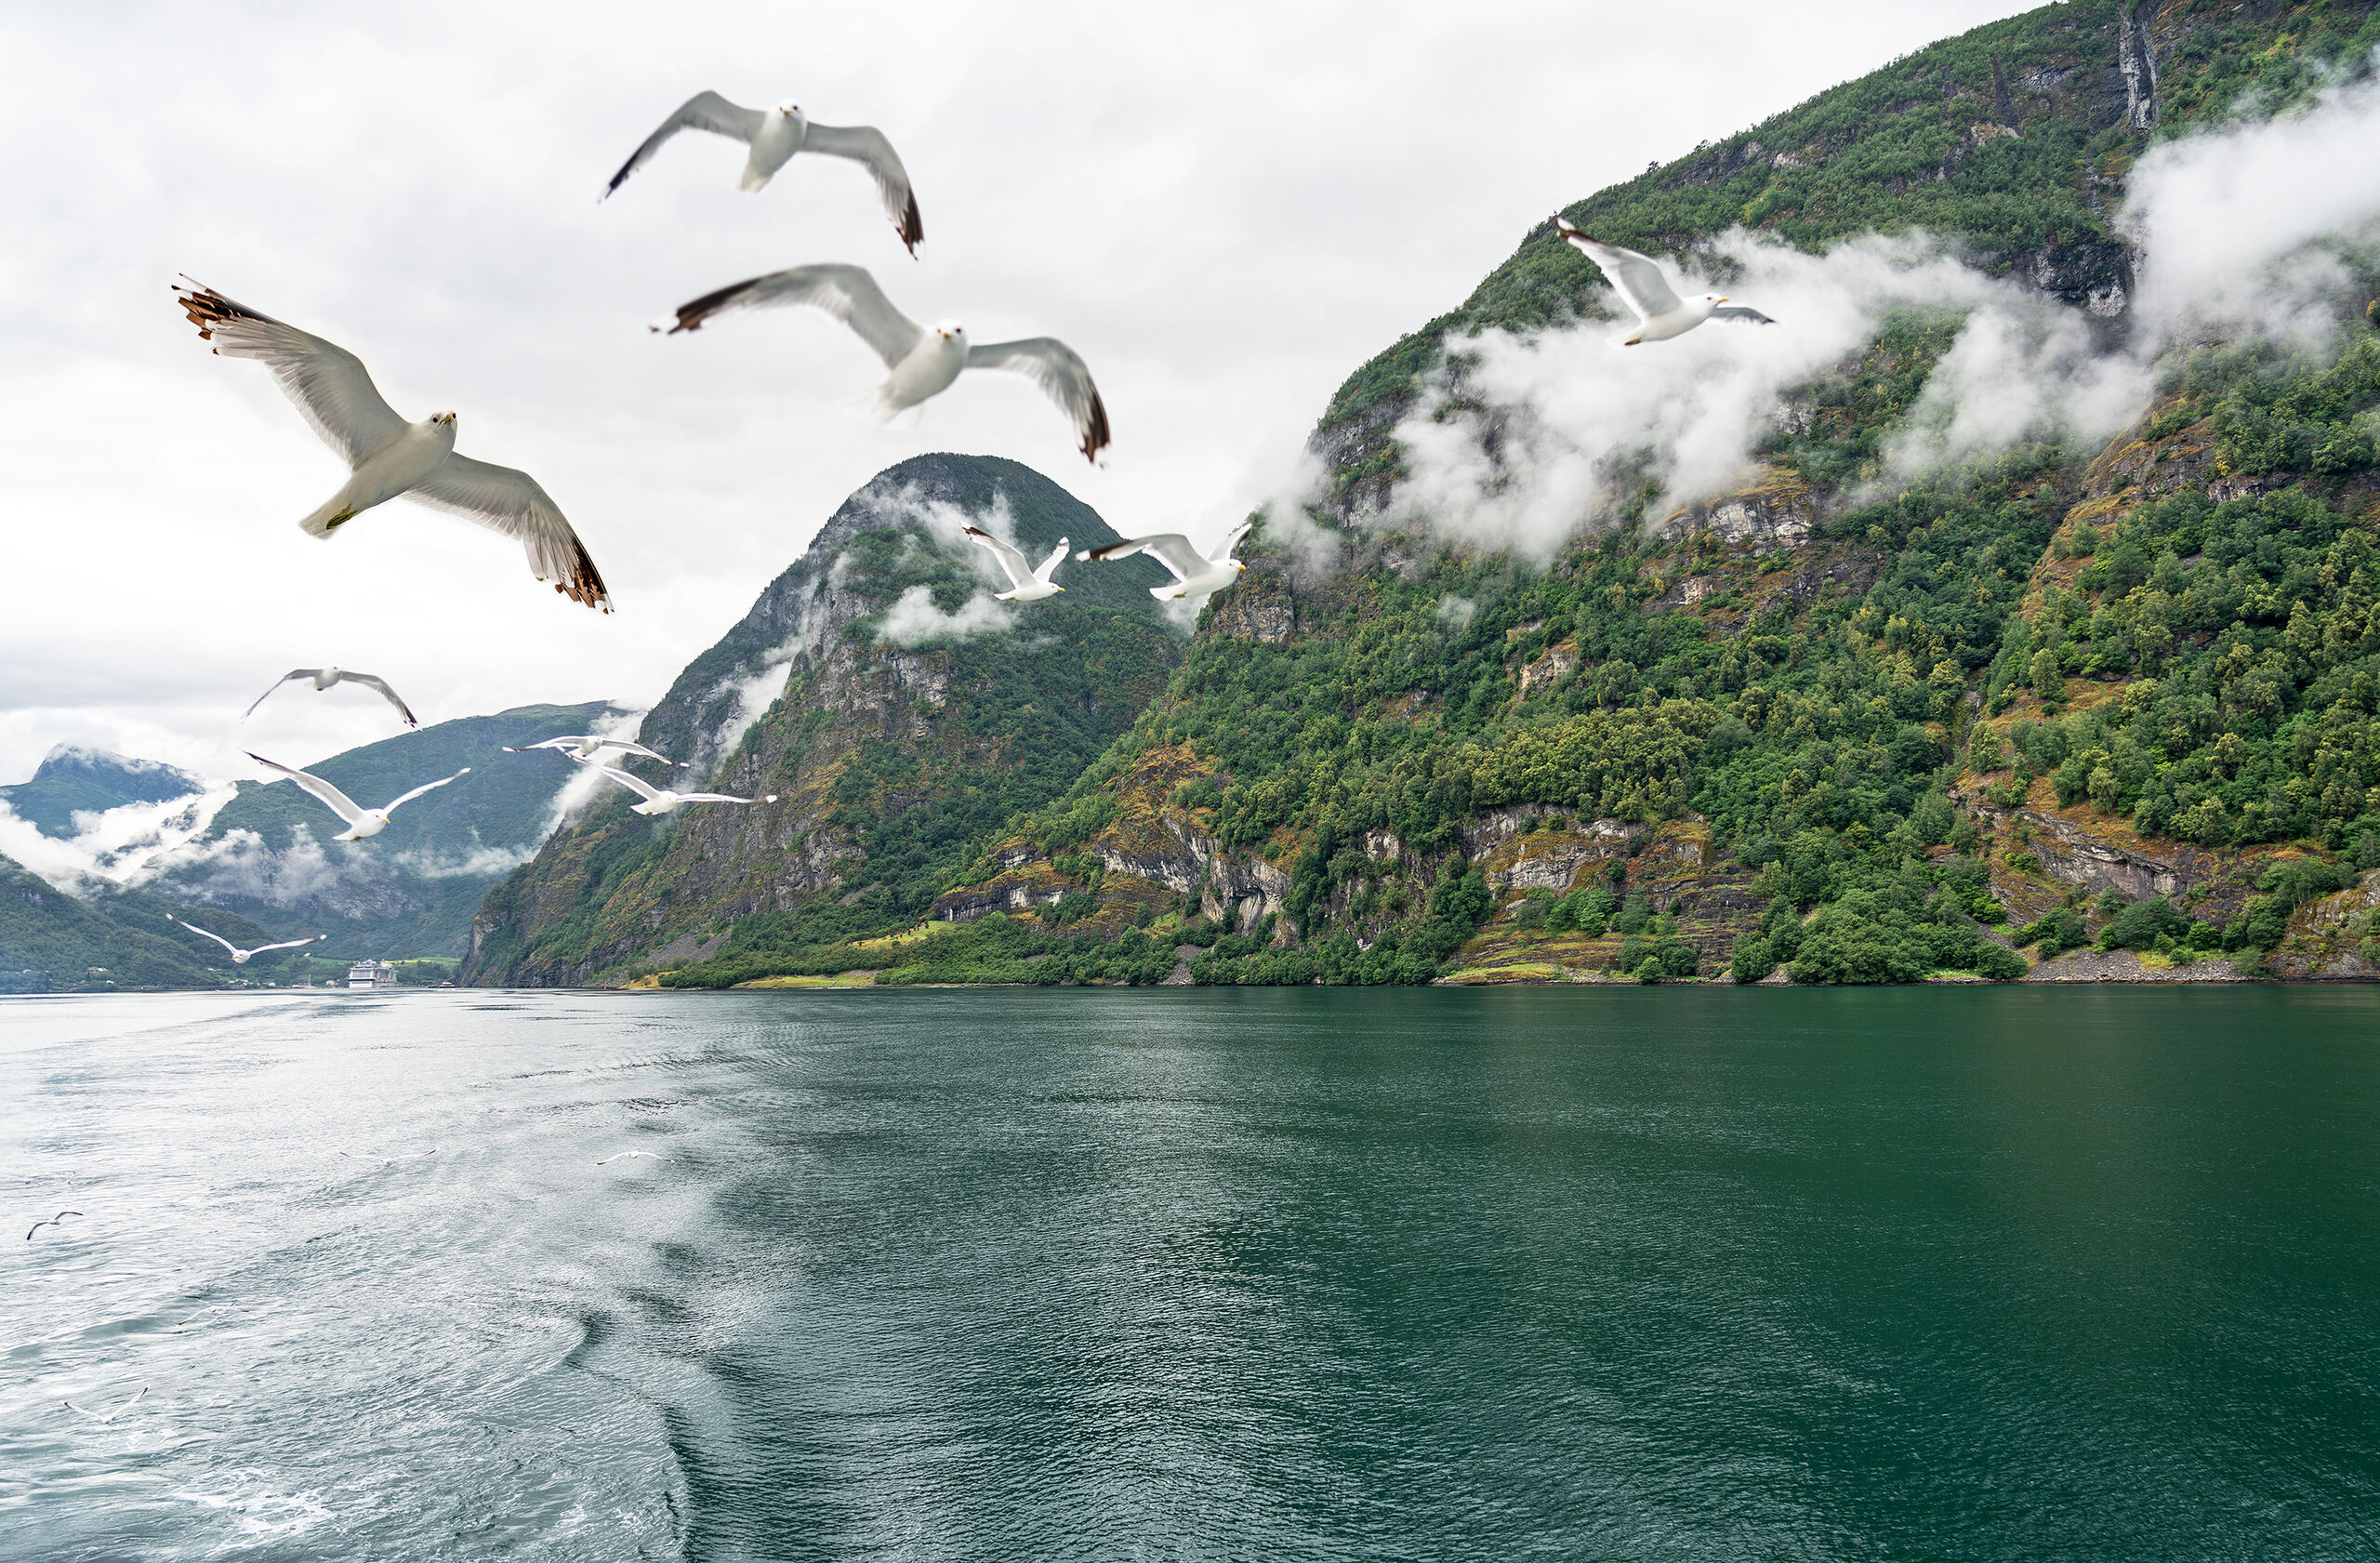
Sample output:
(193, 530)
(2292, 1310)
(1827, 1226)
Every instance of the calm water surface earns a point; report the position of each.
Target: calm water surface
(1668, 1273)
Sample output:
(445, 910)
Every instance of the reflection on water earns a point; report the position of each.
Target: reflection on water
(1670, 1273)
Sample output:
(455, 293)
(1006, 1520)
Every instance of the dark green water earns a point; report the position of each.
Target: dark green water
(1628, 1274)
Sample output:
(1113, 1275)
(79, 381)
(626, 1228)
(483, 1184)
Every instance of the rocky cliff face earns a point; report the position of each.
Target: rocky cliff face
(884, 700)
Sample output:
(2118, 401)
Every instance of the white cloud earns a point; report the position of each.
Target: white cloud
(122, 845)
(913, 619)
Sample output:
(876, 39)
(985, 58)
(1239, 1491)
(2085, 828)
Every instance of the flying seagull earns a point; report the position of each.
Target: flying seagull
(326, 677)
(661, 801)
(1660, 314)
(923, 362)
(335, 396)
(361, 822)
(609, 1159)
(583, 748)
(387, 1161)
(1194, 574)
(775, 135)
(51, 1222)
(1025, 583)
(107, 1416)
(240, 956)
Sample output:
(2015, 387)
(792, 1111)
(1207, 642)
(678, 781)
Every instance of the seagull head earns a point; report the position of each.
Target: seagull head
(950, 331)
(788, 108)
(441, 417)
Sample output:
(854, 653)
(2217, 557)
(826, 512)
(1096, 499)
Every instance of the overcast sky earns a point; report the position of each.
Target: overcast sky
(1225, 208)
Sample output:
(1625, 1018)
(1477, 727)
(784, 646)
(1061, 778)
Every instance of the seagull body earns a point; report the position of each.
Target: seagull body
(621, 1154)
(326, 677)
(661, 801)
(774, 136)
(390, 458)
(1660, 314)
(1194, 573)
(361, 821)
(583, 748)
(922, 362)
(240, 956)
(51, 1222)
(1025, 583)
(107, 1416)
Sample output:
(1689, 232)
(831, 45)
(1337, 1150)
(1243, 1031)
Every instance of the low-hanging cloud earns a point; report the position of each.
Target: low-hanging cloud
(1523, 441)
(913, 620)
(121, 846)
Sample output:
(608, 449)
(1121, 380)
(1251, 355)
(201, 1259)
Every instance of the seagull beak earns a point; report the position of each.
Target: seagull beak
(1723, 298)
(1237, 565)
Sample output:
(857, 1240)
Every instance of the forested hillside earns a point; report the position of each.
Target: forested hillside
(1846, 723)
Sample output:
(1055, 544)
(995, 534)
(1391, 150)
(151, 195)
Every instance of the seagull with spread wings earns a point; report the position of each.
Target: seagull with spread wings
(1660, 314)
(107, 1416)
(1194, 573)
(661, 801)
(584, 746)
(923, 362)
(240, 956)
(774, 136)
(51, 1222)
(389, 457)
(1026, 584)
(361, 821)
(326, 677)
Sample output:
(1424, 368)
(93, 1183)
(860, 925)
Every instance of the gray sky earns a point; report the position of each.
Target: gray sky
(1225, 207)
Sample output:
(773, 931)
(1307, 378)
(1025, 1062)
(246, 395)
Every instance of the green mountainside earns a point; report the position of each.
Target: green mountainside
(2125, 696)
(73, 780)
(54, 943)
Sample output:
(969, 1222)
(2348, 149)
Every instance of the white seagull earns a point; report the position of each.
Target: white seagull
(775, 135)
(326, 677)
(107, 1416)
(240, 956)
(1025, 583)
(51, 1222)
(335, 396)
(1660, 314)
(361, 821)
(609, 1159)
(583, 748)
(1194, 574)
(923, 362)
(661, 801)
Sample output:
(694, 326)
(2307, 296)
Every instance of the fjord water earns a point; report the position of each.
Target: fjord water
(1625, 1274)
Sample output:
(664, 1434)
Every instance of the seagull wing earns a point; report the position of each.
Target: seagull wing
(1049, 565)
(332, 798)
(370, 682)
(624, 747)
(393, 803)
(219, 938)
(1741, 312)
(846, 292)
(864, 143)
(715, 797)
(1640, 282)
(292, 944)
(1062, 377)
(511, 501)
(329, 384)
(1222, 551)
(292, 673)
(1020, 573)
(1169, 549)
(634, 784)
(566, 742)
(704, 111)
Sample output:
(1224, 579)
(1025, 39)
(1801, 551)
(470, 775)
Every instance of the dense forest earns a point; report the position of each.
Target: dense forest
(2121, 696)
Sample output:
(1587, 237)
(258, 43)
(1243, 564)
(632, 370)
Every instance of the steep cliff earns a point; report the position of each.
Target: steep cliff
(899, 714)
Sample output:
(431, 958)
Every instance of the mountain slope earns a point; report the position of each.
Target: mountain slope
(73, 780)
(899, 714)
(113, 939)
(1771, 731)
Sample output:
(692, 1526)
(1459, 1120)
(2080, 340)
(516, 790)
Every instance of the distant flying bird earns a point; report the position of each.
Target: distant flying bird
(609, 1159)
(51, 1222)
(923, 362)
(661, 801)
(106, 1416)
(775, 135)
(335, 394)
(361, 821)
(583, 748)
(385, 1160)
(326, 677)
(1194, 573)
(1660, 314)
(1026, 584)
(240, 956)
